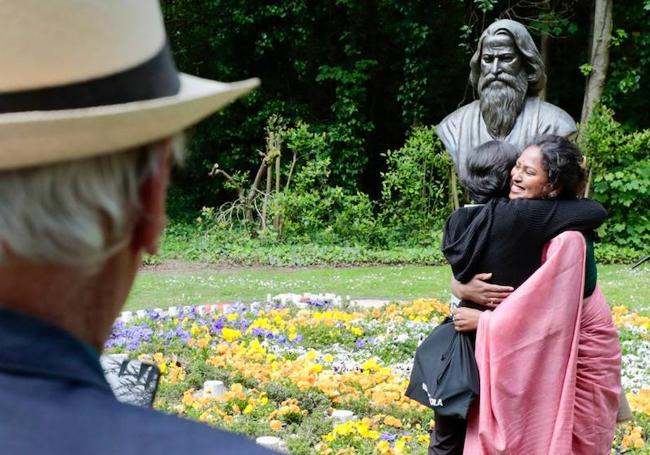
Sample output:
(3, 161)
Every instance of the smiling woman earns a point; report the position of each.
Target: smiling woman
(506, 237)
(550, 167)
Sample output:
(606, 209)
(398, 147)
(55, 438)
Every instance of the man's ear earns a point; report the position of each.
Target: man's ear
(153, 194)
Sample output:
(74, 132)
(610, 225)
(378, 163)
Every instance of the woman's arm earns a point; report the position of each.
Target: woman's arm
(466, 319)
(478, 290)
(544, 218)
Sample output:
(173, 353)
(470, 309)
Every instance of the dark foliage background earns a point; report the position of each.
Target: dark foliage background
(362, 74)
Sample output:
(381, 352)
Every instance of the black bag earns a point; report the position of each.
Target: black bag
(445, 375)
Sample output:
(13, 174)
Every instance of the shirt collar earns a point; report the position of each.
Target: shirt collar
(33, 347)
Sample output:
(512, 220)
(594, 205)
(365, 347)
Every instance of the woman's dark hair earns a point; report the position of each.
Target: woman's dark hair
(487, 170)
(563, 162)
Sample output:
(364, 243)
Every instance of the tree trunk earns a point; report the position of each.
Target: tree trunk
(544, 53)
(599, 61)
(454, 189)
(599, 57)
(248, 202)
(267, 193)
(276, 218)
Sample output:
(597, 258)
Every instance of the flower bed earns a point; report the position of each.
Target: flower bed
(287, 367)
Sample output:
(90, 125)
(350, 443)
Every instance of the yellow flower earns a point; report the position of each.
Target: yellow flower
(188, 398)
(640, 402)
(356, 331)
(232, 317)
(163, 368)
(383, 447)
(204, 341)
(393, 421)
(176, 374)
(195, 330)
(371, 365)
(206, 417)
(315, 368)
(633, 440)
(230, 335)
(328, 358)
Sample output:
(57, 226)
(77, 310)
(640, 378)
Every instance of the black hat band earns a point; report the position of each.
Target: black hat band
(155, 78)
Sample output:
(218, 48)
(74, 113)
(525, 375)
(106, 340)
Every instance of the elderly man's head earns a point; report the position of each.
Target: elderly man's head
(505, 68)
(86, 128)
(75, 213)
(73, 234)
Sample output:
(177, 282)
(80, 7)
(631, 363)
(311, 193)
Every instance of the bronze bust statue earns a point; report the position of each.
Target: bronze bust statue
(508, 73)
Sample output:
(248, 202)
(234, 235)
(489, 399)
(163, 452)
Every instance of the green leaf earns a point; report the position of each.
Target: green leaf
(586, 69)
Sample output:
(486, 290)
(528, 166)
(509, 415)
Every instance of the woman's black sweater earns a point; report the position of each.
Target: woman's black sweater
(506, 237)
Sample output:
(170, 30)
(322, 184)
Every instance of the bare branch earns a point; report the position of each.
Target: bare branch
(258, 179)
(291, 168)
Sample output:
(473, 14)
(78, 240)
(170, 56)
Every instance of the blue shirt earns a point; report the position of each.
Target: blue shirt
(54, 400)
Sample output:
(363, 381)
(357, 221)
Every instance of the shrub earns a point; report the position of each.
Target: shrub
(415, 195)
(620, 164)
(312, 209)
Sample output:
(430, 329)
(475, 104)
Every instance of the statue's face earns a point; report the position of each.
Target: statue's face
(500, 59)
(502, 84)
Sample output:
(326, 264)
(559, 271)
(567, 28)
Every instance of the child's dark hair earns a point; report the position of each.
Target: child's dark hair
(487, 170)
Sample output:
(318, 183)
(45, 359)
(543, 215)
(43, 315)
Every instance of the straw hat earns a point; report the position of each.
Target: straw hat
(83, 77)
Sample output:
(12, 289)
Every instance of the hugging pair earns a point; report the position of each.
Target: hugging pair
(547, 352)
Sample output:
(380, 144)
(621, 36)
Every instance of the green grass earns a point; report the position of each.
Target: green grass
(167, 288)
(186, 285)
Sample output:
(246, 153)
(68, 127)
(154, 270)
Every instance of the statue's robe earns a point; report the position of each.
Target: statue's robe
(464, 129)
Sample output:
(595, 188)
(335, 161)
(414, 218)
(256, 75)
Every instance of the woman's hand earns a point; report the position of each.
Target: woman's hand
(466, 319)
(478, 290)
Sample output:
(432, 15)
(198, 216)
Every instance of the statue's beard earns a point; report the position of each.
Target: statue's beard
(501, 101)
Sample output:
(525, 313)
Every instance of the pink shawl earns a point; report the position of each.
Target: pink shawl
(549, 365)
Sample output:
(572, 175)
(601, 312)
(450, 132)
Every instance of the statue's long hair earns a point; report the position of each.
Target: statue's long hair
(533, 62)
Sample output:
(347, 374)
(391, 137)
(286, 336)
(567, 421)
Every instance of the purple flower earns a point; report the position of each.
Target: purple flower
(316, 303)
(217, 325)
(388, 437)
(257, 332)
(118, 325)
(360, 343)
(130, 337)
(110, 343)
(179, 333)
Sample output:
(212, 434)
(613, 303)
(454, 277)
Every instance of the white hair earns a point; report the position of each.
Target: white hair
(75, 213)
